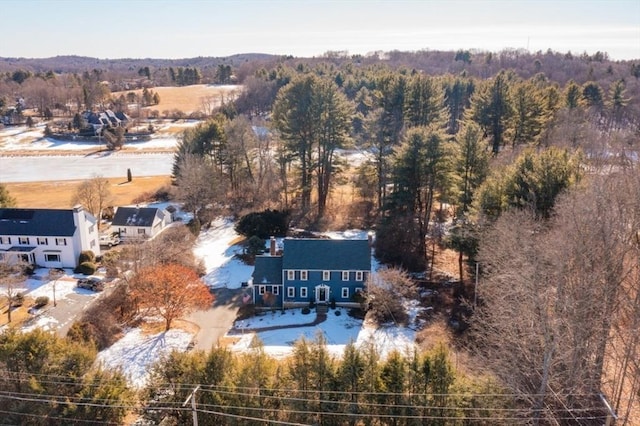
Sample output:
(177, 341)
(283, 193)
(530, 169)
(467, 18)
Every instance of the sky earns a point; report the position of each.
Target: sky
(188, 28)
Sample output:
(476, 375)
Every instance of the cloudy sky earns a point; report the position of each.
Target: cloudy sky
(189, 28)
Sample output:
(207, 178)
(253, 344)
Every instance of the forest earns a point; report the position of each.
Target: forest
(523, 163)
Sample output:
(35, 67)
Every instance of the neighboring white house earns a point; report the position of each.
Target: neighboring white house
(139, 222)
(48, 238)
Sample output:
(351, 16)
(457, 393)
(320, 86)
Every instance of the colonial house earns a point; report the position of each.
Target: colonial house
(48, 238)
(105, 119)
(311, 270)
(134, 223)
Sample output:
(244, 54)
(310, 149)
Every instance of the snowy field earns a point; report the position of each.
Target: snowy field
(59, 161)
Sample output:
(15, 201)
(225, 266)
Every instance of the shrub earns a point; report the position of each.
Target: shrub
(264, 224)
(87, 256)
(86, 268)
(306, 311)
(255, 246)
(338, 313)
(41, 301)
(332, 303)
(18, 300)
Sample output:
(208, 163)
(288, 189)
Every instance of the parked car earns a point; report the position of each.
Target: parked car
(109, 240)
(91, 283)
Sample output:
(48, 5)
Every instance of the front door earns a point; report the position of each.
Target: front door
(322, 294)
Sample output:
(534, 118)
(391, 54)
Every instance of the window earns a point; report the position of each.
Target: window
(93, 243)
(291, 292)
(91, 228)
(141, 231)
(5, 240)
(23, 240)
(275, 290)
(345, 292)
(303, 292)
(326, 275)
(48, 257)
(304, 275)
(359, 276)
(359, 290)
(345, 275)
(261, 289)
(61, 241)
(291, 275)
(42, 241)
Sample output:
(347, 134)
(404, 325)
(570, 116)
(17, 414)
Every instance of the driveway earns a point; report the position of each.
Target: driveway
(215, 322)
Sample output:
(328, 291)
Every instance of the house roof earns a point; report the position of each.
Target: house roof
(136, 216)
(268, 270)
(323, 254)
(37, 222)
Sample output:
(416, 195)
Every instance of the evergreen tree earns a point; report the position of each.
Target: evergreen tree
(492, 109)
(6, 200)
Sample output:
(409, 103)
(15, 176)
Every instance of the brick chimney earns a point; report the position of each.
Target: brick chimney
(272, 246)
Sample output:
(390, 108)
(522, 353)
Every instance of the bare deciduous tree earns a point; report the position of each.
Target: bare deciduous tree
(94, 194)
(559, 300)
(385, 292)
(10, 275)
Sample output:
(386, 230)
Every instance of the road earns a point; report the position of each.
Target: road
(215, 322)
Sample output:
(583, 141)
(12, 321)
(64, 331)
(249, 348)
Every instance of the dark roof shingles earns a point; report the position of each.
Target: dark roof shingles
(323, 254)
(37, 222)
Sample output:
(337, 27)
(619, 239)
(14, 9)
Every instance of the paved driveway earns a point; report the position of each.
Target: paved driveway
(215, 322)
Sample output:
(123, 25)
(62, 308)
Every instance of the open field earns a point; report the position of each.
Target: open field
(188, 99)
(58, 194)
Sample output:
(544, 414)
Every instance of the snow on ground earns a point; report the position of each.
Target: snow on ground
(65, 286)
(134, 353)
(21, 138)
(338, 332)
(214, 247)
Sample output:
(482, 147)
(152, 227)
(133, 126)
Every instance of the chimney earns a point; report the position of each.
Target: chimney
(272, 246)
(370, 239)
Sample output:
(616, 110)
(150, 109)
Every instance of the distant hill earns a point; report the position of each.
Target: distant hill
(71, 64)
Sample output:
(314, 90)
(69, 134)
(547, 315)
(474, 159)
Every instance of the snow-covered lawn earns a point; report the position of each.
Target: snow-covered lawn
(135, 352)
(338, 331)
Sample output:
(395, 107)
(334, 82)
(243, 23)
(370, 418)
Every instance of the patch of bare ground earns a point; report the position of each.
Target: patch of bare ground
(188, 99)
(158, 326)
(59, 194)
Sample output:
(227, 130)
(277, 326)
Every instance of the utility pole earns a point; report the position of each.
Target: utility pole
(475, 289)
(611, 415)
(192, 398)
